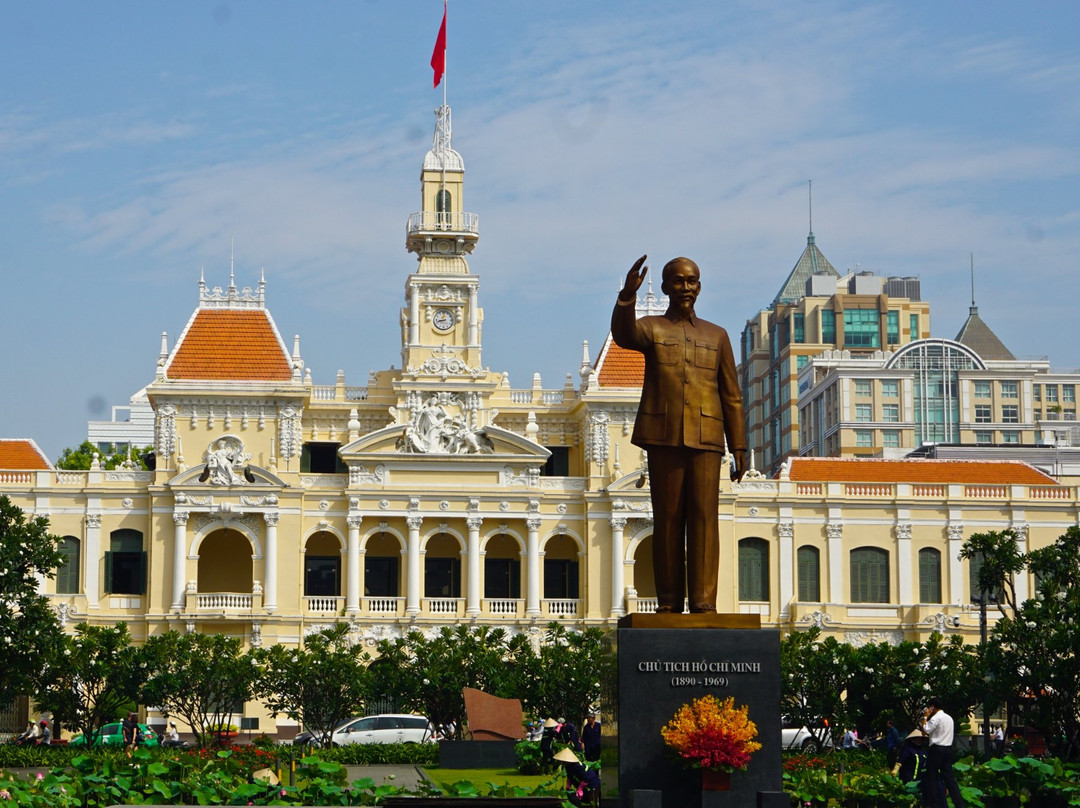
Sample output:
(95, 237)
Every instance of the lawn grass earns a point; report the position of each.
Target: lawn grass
(481, 777)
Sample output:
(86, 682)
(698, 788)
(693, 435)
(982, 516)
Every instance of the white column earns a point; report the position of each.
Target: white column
(179, 573)
(353, 585)
(414, 314)
(956, 570)
(786, 531)
(835, 532)
(618, 582)
(91, 579)
(472, 592)
(270, 562)
(904, 564)
(412, 567)
(532, 567)
(1020, 580)
(474, 319)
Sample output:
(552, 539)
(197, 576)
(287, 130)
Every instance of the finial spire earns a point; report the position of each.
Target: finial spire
(810, 198)
(974, 309)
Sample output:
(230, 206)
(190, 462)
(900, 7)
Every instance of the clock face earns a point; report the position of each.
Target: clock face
(443, 319)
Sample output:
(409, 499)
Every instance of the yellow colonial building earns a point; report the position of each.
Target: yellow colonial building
(437, 494)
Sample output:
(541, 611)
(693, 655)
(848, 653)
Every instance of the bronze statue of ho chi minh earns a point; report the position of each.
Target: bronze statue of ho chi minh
(690, 402)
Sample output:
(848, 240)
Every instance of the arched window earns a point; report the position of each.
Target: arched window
(125, 563)
(753, 569)
(67, 574)
(929, 575)
(869, 575)
(442, 206)
(809, 570)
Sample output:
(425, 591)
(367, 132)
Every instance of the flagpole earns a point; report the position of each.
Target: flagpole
(445, 7)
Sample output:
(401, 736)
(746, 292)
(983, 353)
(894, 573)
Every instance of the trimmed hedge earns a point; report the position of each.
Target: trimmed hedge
(37, 757)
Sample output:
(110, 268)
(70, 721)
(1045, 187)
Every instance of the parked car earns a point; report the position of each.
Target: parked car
(113, 735)
(382, 729)
(794, 735)
(308, 738)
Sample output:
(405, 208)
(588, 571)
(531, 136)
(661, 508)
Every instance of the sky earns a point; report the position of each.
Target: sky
(142, 144)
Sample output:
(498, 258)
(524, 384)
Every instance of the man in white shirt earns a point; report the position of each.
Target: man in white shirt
(938, 727)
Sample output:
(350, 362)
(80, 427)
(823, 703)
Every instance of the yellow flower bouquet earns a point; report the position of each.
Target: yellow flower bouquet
(712, 734)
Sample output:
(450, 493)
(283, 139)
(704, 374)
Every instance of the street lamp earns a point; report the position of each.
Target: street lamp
(982, 599)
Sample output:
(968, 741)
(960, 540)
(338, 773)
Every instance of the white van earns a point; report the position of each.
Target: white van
(382, 729)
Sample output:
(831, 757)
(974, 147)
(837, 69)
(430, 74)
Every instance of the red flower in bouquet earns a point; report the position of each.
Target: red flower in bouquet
(712, 734)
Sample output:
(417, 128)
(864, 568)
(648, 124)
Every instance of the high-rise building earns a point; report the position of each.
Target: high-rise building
(817, 310)
(970, 391)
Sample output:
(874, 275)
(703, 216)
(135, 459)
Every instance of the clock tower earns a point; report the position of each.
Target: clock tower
(441, 320)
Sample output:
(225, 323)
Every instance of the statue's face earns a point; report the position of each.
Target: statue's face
(682, 284)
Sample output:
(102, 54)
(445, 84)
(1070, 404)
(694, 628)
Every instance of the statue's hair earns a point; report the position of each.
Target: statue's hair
(670, 266)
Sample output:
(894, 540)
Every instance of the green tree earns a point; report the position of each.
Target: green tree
(815, 674)
(203, 678)
(95, 679)
(1036, 653)
(80, 457)
(29, 628)
(427, 675)
(1000, 559)
(563, 678)
(895, 681)
(319, 684)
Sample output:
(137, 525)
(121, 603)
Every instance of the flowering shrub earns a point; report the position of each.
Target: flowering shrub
(712, 734)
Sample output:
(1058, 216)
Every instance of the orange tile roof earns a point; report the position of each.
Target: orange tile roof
(230, 345)
(22, 454)
(877, 470)
(619, 367)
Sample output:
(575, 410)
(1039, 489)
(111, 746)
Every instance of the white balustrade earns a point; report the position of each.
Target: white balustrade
(384, 605)
(449, 606)
(324, 603)
(561, 607)
(502, 606)
(228, 601)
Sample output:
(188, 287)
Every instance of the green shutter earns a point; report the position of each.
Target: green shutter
(108, 571)
(929, 576)
(809, 571)
(143, 569)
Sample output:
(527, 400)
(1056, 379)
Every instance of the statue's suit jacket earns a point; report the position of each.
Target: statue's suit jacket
(690, 396)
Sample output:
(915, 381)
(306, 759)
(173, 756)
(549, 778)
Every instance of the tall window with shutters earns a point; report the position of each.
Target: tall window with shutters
(67, 574)
(929, 575)
(753, 569)
(869, 575)
(809, 574)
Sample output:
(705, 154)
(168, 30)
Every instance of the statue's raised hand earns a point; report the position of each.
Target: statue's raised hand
(634, 279)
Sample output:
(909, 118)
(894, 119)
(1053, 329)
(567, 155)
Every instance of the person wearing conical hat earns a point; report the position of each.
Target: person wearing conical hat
(547, 738)
(582, 785)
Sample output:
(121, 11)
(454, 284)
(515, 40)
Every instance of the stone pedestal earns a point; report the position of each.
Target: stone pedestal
(666, 661)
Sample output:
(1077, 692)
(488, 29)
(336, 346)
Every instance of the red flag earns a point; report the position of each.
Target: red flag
(438, 56)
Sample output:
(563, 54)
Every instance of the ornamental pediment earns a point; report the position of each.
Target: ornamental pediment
(189, 478)
(226, 464)
(405, 443)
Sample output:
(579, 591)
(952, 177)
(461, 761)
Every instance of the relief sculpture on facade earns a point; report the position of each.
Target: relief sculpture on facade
(433, 429)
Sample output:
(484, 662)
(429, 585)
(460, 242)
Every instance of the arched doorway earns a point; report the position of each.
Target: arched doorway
(225, 564)
(322, 565)
(502, 568)
(442, 569)
(644, 581)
